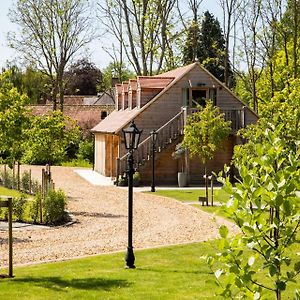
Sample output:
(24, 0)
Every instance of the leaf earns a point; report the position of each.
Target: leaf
(223, 230)
(272, 270)
(297, 266)
(281, 285)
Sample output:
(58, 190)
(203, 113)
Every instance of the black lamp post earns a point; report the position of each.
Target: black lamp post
(154, 138)
(132, 137)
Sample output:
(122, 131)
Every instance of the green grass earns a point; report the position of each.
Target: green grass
(77, 163)
(7, 192)
(188, 195)
(178, 272)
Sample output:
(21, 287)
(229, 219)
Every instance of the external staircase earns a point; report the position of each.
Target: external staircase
(169, 133)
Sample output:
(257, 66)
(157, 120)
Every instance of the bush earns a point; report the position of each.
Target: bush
(8, 180)
(18, 207)
(136, 179)
(35, 207)
(86, 151)
(54, 207)
(25, 181)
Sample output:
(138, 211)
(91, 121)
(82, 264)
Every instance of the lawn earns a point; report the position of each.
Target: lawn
(191, 195)
(177, 272)
(7, 192)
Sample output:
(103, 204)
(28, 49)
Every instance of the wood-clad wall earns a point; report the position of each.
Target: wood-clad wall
(100, 153)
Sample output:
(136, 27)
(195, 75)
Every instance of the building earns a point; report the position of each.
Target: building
(88, 111)
(162, 103)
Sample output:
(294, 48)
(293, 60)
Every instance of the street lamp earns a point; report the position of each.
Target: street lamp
(132, 138)
(153, 134)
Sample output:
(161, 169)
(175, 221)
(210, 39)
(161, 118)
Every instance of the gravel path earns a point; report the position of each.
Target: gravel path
(101, 227)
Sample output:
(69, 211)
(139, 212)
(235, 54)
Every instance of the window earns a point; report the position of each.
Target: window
(103, 114)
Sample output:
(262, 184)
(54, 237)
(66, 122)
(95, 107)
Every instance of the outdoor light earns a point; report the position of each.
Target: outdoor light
(153, 134)
(132, 138)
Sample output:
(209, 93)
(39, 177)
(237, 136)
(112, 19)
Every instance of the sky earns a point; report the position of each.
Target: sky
(97, 55)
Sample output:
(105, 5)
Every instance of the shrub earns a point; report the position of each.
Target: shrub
(8, 180)
(136, 179)
(35, 207)
(18, 207)
(25, 181)
(54, 207)
(86, 151)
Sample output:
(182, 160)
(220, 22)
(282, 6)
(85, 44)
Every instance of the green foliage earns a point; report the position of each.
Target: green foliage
(7, 179)
(82, 78)
(31, 82)
(54, 207)
(25, 181)
(206, 43)
(265, 205)
(13, 119)
(35, 206)
(47, 139)
(205, 131)
(117, 71)
(86, 151)
(18, 207)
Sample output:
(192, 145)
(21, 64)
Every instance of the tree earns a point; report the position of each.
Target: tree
(82, 78)
(230, 8)
(143, 31)
(113, 70)
(205, 131)
(269, 182)
(264, 203)
(47, 139)
(31, 82)
(211, 47)
(190, 49)
(52, 32)
(13, 120)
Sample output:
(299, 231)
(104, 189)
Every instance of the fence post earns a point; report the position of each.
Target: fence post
(30, 183)
(212, 190)
(10, 237)
(18, 176)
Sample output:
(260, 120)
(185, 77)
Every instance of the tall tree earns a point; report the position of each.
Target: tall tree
(250, 18)
(14, 119)
(30, 81)
(211, 46)
(52, 32)
(143, 31)
(230, 9)
(82, 78)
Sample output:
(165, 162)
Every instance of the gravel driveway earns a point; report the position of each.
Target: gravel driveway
(101, 227)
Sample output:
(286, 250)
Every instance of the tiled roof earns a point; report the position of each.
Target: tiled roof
(177, 72)
(115, 121)
(151, 82)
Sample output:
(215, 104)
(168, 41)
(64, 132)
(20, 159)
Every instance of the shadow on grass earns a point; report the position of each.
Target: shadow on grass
(59, 284)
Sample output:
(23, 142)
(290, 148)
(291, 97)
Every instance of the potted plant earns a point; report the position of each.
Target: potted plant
(122, 181)
(179, 153)
(136, 179)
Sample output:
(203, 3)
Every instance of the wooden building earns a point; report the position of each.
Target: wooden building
(162, 103)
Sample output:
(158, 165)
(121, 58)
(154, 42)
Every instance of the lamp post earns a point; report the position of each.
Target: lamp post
(132, 137)
(154, 138)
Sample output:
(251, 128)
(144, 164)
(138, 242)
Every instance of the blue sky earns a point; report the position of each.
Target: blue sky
(98, 56)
